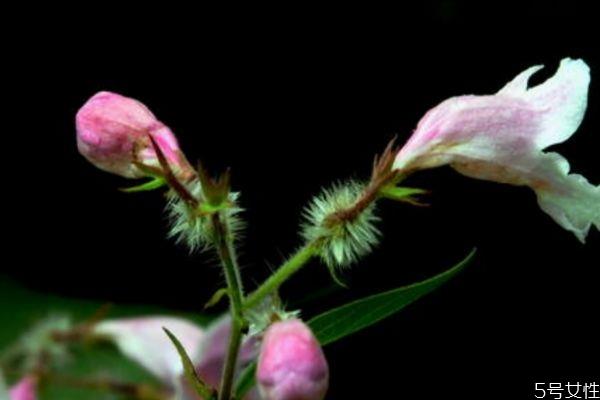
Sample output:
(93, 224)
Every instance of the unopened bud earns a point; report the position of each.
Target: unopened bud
(291, 365)
(113, 133)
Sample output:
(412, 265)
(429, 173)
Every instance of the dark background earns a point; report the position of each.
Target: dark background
(294, 99)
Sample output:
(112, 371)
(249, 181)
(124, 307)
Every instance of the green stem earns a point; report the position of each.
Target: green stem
(290, 267)
(226, 251)
(235, 342)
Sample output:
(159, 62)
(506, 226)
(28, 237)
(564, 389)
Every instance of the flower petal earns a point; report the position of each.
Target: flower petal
(576, 204)
(519, 84)
(213, 350)
(144, 341)
(563, 99)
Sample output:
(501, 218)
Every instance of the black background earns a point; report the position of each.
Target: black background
(294, 99)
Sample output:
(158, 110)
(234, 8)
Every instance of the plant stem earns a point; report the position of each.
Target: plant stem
(235, 342)
(290, 267)
(225, 249)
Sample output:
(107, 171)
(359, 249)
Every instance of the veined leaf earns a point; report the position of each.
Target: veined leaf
(352, 317)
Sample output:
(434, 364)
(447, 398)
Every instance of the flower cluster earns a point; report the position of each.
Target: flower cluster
(501, 137)
(120, 135)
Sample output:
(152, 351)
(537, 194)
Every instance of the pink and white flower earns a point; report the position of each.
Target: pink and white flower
(502, 138)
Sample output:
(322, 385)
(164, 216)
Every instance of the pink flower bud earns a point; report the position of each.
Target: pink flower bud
(291, 365)
(113, 134)
(25, 389)
(502, 138)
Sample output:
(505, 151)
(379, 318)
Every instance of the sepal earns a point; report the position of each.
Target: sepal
(153, 184)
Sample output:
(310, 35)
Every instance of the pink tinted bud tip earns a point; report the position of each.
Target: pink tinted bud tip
(25, 389)
(113, 134)
(291, 365)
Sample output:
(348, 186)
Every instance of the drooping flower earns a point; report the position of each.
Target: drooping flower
(113, 133)
(144, 341)
(291, 365)
(502, 138)
(25, 389)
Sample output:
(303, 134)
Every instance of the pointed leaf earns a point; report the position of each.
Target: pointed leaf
(153, 184)
(352, 317)
(216, 297)
(245, 381)
(401, 193)
(201, 388)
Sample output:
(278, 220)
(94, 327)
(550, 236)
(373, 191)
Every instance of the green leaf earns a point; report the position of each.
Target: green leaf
(246, 381)
(404, 194)
(352, 317)
(216, 297)
(398, 193)
(153, 184)
(201, 388)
